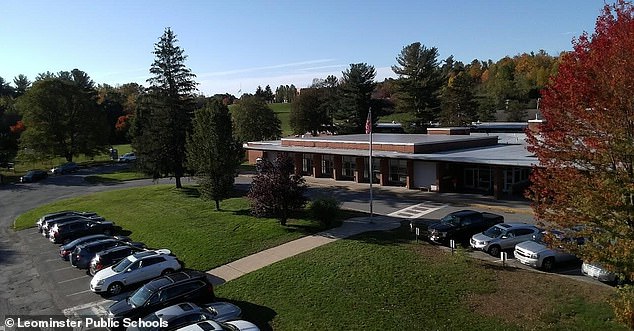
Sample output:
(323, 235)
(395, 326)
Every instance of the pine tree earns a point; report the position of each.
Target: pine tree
(212, 152)
(163, 118)
(355, 97)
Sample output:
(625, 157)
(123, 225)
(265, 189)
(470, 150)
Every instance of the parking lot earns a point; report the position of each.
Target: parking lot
(69, 285)
(38, 281)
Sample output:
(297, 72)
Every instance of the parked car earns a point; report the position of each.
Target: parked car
(237, 325)
(186, 313)
(66, 249)
(49, 224)
(503, 236)
(598, 272)
(40, 221)
(111, 256)
(65, 168)
(461, 225)
(134, 269)
(537, 254)
(32, 176)
(182, 286)
(68, 231)
(127, 157)
(83, 254)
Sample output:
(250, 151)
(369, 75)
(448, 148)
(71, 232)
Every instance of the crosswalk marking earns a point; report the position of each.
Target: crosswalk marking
(96, 308)
(417, 211)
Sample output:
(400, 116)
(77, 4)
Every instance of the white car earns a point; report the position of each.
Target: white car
(133, 269)
(237, 325)
(127, 157)
(537, 254)
(599, 273)
(502, 236)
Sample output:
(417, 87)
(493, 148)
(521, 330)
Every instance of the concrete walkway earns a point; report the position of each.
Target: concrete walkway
(267, 257)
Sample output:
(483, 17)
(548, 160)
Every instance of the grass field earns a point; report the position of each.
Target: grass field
(283, 111)
(384, 281)
(165, 217)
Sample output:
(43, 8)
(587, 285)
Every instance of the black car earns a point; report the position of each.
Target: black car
(83, 254)
(33, 176)
(65, 250)
(50, 223)
(62, 213)
(65, 168)
(192, 286)
(66, 232)
(111, 256)
(461, 225)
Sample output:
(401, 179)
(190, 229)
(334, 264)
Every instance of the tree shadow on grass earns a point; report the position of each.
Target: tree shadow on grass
(256, 314)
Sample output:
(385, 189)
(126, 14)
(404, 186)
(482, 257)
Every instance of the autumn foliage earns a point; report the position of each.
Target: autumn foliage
(586, 145)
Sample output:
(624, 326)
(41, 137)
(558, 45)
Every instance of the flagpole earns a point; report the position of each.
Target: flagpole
(368, 129)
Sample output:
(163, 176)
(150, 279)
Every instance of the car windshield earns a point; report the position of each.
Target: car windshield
(122, 265)
(140, 297)
(451, 220)
(493, 232)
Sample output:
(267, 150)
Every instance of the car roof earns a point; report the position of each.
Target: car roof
(174, 278)
(515, 225)
(177, 309)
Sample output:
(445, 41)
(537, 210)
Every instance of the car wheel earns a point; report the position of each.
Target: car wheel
(494, 250)
(115, 288)
(548, 264)
(166, 271)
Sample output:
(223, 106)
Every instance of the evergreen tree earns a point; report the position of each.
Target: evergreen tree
(22, 83)
(418, 85)
(308, 113)
(268, 94)
(458, 107)
(163, 118)
(355, 98)
(212, 152)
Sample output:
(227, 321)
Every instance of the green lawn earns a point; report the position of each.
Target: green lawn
(384, 281)
(165, 217)
(120, 176)
(283, 111)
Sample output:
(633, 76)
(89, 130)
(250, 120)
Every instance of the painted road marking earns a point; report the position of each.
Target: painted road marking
(72, 279)
(70, 295)
(96, 308)
(417, 211)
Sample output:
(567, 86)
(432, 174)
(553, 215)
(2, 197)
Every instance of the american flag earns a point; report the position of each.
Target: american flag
(368, 123)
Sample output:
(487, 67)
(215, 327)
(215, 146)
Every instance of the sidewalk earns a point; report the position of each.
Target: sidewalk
(457, 199)
(267, 257)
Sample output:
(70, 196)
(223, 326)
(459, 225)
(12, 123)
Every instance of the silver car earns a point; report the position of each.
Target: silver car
(187, 313)
(502, 236)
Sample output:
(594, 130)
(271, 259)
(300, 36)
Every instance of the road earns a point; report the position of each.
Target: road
(37, 282)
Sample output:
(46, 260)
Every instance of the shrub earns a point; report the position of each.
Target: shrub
(325, 210)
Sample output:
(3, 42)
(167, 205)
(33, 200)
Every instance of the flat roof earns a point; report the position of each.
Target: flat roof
(390, 138)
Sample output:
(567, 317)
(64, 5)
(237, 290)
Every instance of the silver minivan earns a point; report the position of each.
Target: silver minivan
(502, 236)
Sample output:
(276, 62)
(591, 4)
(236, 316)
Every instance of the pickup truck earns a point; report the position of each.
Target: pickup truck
(461, 225)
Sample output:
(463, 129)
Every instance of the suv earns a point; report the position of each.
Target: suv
(461, 225)
(537, 254)
(65, 168)
(33, 176)
(48, 224)
(190, 285)
(127, 157)
(66, 249)
(187, 313)
(134, 269)
(502, 236)
(110, 257)
(83, 254)
(64, 233)
(59, 214)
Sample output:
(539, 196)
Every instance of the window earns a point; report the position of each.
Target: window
(376, 166)
(152, 260)
(523, 232)
(326, 165)
(307, 164)
(398, 171)
(348, 167)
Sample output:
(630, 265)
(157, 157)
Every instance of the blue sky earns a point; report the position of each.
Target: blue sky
(238, 45)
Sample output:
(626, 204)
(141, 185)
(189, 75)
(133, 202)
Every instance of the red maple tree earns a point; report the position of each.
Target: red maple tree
(586, 145)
